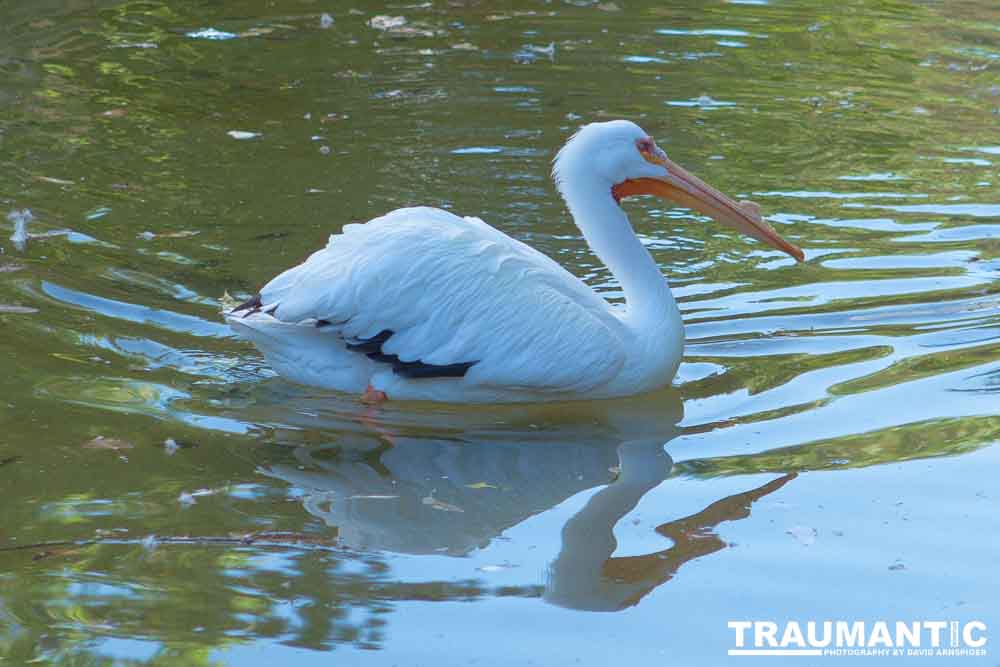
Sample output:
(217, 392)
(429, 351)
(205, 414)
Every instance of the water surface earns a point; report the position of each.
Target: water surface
(828, 450)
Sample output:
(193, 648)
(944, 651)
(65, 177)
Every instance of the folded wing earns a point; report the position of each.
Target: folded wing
(434, 289)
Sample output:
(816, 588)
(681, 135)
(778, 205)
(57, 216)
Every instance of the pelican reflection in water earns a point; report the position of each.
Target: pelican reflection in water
(389, 486)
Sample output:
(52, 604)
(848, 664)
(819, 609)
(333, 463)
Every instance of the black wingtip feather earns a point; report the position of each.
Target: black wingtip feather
(418, 369)
(372, 348)
(371, 345)
(252, 305)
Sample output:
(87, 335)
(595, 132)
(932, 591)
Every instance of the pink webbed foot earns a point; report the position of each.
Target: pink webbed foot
(373, 396)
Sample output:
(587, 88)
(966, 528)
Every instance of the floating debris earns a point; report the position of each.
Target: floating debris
(324, 150)
(434, 503)
(211, 34)
(326, 21)
(20, 219)
(112, 444)
(183, 234)
(243, 134)
(172, 446)
(386, 23)
(56, 181)
(256, 32)
(17, 310)
(398, 26)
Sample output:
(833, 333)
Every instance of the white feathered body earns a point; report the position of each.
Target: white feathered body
(444, 290)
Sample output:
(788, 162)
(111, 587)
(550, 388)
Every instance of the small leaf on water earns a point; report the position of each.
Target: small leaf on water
(150, 236)
(113, 444)
(256, 32)
(57, 181)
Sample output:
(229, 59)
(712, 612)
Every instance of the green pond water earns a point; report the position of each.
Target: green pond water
(829, 449)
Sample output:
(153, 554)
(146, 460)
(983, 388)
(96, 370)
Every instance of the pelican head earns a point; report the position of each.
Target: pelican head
(623, 160)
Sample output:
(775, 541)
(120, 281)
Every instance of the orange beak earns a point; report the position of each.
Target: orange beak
(689, 191)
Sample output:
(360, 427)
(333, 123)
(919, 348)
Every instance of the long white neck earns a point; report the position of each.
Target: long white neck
(607, 230)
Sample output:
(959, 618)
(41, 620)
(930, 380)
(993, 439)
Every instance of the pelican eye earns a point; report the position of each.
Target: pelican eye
(650, 151)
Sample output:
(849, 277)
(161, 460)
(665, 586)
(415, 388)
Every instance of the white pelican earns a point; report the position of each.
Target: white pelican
(421, 304)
